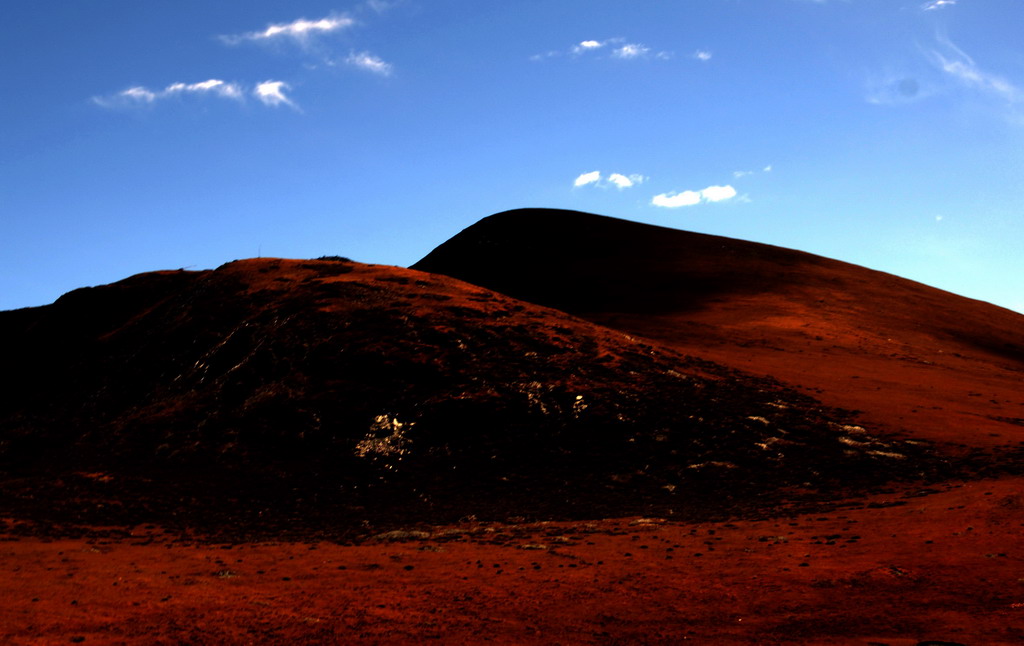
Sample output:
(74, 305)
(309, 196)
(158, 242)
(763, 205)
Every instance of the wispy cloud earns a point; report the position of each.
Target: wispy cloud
(307, 35)
(618, 180)
(139, 95)
(272, 93)
(369, 62)
(945, 70)
(743, 173)
(937, 4)
(961, 67)
(301, 30)
(617, 47)
(675, 200)
(380, 6)
(631, 50)
(702, 55)
(214, 86)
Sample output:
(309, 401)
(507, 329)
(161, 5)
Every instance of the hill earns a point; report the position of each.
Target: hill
(913, 359)
(365, 392)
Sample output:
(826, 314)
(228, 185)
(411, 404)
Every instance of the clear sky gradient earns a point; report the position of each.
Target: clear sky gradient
(156, 135)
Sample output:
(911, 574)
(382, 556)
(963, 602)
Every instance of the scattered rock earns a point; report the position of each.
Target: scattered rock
(646, 521)
(402, 535)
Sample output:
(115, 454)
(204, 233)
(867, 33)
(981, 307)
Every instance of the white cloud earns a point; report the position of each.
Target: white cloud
(139, 95)
(621, 181)
(631, 50)
(768, 168)
(718, 193)
(618, 180)
(272, 93)
(586, 46)
(369, 62)
(592, 177)
(675, 200)
(300, 30)
(702, 55)
(937, 4)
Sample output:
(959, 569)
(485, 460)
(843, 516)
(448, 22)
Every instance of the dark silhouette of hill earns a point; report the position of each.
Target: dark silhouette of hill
(292, 393)
(913, 358)
(589, 263)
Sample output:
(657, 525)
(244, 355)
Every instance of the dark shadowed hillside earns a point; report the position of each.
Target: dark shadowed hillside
(362, 384)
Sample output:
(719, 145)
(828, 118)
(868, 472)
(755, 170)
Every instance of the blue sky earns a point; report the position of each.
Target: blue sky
(149, 135)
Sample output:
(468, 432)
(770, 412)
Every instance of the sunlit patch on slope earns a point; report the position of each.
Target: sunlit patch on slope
(386, 441)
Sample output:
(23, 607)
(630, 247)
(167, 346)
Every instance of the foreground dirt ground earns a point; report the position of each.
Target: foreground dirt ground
(945, 564)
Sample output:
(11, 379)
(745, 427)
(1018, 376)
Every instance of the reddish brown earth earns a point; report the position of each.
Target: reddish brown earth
(398, 456)
(894, 569)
